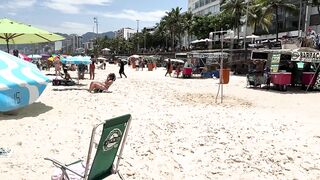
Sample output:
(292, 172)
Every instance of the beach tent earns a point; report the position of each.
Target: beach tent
(12, 32)
(21, 82)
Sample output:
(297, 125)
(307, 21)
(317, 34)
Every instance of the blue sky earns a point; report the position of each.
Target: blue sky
(76, 16)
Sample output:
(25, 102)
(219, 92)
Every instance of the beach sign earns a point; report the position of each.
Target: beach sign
(21, 83)
(275, 60)
(306, 56)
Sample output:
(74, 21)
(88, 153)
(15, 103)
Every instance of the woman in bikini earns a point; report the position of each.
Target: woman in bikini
(99, 86)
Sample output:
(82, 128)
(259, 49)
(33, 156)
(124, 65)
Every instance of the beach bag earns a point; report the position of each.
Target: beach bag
(55, 82)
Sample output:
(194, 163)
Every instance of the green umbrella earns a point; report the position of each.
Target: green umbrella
(12, 32)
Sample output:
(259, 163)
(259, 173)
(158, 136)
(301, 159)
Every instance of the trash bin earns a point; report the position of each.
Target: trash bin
(150, 66)
(224, 76)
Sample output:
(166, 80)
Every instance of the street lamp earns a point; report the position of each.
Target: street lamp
(137, 34)
(95, 21)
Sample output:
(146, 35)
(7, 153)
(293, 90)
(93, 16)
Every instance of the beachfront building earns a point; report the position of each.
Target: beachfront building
(288, 22)
(125, 33)
(71, 44)
(314, 19)
(203, 7)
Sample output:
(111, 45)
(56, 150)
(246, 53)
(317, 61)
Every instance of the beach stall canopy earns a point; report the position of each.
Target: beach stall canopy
(21, 83)
(175, 60)
(12, 32)
(134, 56)
(106, 49)
(101, 58)
(76, 60)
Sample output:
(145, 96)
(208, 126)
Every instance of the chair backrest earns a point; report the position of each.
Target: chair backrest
(111, 144)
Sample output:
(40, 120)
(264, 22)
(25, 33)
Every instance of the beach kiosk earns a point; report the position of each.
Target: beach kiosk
(309, 61)
(279, 74)
(271, 66)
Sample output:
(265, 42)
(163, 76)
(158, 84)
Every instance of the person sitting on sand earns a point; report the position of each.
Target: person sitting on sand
(99, 86)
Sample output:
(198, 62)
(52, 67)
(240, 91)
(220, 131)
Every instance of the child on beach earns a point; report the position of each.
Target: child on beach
(99, 86)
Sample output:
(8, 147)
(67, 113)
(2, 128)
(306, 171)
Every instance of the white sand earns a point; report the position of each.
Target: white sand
(177, 132)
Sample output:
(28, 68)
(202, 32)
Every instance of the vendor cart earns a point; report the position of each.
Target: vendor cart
(281, 80)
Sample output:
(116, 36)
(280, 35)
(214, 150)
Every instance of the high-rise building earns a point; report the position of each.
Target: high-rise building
(125, 33)
(203, 7)
(288, 22)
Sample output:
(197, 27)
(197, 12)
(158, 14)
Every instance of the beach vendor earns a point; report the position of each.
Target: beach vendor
(102, 86)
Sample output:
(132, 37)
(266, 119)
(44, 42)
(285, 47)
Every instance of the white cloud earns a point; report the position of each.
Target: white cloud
(12, 13)
(18, 4)
(74, 6)
(68, 27)
(151, 16)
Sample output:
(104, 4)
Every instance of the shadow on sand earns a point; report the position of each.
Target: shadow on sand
(290, 90)
(32, 110)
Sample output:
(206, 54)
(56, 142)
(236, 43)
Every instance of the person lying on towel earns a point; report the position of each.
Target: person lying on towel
(101, 87)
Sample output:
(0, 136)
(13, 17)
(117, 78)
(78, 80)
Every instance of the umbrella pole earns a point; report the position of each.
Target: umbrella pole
(8, 46)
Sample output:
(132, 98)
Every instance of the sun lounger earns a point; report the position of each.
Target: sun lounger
(107, 156)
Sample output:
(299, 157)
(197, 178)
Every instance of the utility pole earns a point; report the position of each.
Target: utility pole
(95, 21)
(246, 26)
(299, 25)
(138, 35)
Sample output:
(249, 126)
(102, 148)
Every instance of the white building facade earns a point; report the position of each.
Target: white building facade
(125, 33)
(203, 7)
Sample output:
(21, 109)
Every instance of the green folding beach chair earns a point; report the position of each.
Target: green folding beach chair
(108, 153)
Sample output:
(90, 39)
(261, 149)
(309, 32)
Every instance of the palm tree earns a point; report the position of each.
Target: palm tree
(273, 6)
(257, 17)
(236, 8)
(187, 23)
(173, 23)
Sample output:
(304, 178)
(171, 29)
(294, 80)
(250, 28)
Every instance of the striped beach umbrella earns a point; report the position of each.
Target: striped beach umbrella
(21, 83)
(76, 60)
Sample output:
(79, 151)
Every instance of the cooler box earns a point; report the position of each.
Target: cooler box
(187, 71)
(307, 78)
(281, 78)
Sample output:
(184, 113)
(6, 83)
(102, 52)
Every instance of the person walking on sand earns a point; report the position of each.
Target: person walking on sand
(142, 64)
(169, 68)
(137, 64)
(57, 65)
(121, 70)
(92, 67)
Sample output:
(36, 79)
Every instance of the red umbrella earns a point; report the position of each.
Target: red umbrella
(25, 57)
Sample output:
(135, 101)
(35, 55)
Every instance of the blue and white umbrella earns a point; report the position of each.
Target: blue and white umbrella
(76, 60)
(21, 83)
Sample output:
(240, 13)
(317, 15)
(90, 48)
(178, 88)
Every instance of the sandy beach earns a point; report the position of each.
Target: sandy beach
(177, 131)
